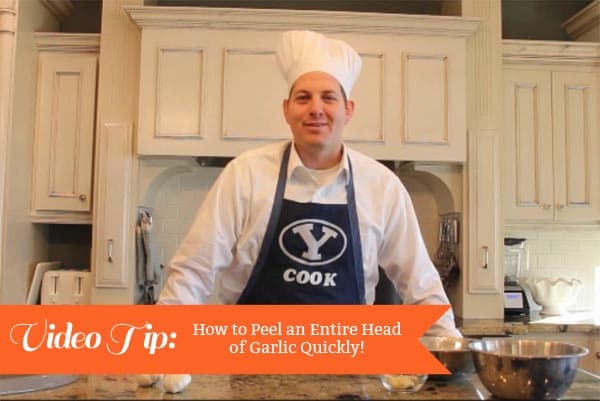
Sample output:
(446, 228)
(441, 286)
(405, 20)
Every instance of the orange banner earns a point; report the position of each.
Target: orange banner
(217, 339)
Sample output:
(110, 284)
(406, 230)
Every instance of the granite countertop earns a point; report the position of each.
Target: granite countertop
(326, 387)
(580, 322)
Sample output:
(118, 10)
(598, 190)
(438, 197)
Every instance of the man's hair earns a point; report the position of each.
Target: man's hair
(341, 88)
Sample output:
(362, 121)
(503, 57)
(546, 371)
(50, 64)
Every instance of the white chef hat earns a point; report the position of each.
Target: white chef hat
(303, 51)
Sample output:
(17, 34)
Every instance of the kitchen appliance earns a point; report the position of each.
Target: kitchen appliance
(66, 287)
(516, 265)
(33, 296)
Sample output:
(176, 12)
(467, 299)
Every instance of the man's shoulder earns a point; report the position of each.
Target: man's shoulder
(263, 154)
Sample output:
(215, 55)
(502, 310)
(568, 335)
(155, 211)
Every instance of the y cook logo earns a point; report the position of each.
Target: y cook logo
(323, 241)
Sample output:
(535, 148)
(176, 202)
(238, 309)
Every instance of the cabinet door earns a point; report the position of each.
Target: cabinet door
(528, 176)
(576, 146)
(112, 214)
(485, 269)
(64, 132)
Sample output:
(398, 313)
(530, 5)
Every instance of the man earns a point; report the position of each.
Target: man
(307, 221)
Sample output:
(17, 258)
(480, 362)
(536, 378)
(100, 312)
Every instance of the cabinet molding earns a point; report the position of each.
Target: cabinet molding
(585, 25)
(8, 17)
(239, 18)
(550, 52)
(67, 42)
(60, 8)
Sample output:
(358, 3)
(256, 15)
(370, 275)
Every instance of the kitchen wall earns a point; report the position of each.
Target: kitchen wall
(564, 252)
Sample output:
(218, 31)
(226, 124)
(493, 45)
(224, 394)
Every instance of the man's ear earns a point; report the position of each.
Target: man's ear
(284, 106)
(349, 110)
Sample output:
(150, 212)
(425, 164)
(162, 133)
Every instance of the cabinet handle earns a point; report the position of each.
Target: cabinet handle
(486, 255)
(82, 197)
(598, 355)
(560, 206)
(547, 206)
(110, 248)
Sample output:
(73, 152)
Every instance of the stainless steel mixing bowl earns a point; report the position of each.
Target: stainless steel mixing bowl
(526, 369)
(454, 353)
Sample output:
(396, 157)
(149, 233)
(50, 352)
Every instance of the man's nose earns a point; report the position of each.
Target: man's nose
(316, 107)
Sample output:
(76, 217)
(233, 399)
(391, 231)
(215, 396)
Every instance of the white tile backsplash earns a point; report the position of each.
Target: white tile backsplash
(175, 205)
(564, 252)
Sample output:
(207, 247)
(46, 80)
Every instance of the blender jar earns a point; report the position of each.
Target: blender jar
(516, 260)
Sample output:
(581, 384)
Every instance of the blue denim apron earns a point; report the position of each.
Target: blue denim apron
(311, 252)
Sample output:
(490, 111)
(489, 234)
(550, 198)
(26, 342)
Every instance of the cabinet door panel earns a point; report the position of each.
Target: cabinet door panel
(64, 133)
(485, 270)
(247, 74)
(173, 104)
(367, 123)
(576, 146)
(426, 95)
(111, 221)
(527, 147)
(179, 92)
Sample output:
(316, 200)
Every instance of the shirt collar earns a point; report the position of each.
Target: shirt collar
(295, 163)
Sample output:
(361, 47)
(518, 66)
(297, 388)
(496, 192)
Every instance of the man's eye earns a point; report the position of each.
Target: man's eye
(330, 98)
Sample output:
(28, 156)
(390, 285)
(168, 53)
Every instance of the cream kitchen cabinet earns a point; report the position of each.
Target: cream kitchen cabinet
(64, 128)
(210, 85)
(552, 138)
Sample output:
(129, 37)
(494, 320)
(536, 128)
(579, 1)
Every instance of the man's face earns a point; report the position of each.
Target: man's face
(316, 112)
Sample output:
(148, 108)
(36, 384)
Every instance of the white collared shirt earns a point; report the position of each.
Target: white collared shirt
(226, 234)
